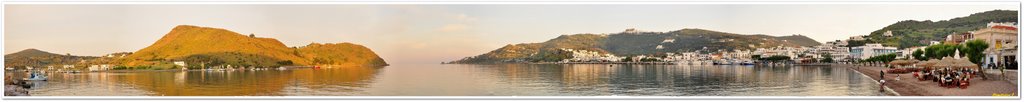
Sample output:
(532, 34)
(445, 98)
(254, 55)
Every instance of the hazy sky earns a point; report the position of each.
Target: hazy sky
(436, 33)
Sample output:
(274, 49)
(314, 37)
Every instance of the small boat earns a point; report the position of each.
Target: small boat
(35, 76)
(281, 68)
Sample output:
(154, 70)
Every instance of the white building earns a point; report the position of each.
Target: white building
(101, 67)
(668, 41)
(1002, 41)
(907, 52)
(589, 56)
(887, 33)
(68, 66)
(180, 63)
(837, 52)
(870, 50)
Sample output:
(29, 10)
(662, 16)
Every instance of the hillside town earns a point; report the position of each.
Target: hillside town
(1001, 37)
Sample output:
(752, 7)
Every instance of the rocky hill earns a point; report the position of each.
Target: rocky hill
(215, 46)
(38, 58)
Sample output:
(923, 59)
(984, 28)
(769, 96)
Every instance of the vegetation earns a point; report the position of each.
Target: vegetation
(827, 58)
(919, 55)
(206, 47)
(343, 54)
(941, 50)
(975, 50)
(881, 58)
(639, 43)
(37, 58)
(916, 33)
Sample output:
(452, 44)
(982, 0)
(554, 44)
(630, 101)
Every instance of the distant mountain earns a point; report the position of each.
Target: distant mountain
(799, 40)
(215, 46)
(38, 58)
(633, 42)
(911, 33)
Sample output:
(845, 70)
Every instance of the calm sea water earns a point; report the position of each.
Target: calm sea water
(472, 80)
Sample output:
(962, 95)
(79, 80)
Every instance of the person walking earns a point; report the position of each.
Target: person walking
(881, 74)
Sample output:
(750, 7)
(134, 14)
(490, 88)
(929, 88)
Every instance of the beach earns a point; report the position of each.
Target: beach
(907, 85)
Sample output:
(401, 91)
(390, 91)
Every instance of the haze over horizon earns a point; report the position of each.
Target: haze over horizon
(435, 33)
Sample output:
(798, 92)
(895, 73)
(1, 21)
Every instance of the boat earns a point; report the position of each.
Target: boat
(35, 76)
(281, 68)
(747, 62)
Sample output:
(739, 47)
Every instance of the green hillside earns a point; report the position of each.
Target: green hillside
(635, 43)
(911, 33)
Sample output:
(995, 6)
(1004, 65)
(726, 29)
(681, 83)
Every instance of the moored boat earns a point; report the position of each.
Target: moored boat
(35, 76)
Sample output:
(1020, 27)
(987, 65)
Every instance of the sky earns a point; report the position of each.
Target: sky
(434, 33)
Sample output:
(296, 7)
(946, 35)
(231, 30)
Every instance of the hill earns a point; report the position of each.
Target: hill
(345, 54)
(38, 58)
(215, 46)
(636, 43)
(911, 33)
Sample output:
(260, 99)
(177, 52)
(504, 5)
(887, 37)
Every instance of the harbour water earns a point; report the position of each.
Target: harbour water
(470, 80)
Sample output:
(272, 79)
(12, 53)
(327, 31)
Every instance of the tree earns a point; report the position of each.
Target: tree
(882, 58)
(974, 50)
(251, 35)
(919, 55)
(931, 51)
(827, 58)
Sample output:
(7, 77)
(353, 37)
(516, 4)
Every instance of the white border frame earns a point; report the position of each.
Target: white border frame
(498, 2)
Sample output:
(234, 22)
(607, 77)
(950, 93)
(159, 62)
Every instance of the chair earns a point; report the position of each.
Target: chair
(964, 83)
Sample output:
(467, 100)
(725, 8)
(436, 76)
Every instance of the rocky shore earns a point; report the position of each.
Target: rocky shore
(13, 87)
(907, 85)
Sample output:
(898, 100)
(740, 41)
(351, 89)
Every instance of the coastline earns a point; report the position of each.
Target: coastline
(907, 85)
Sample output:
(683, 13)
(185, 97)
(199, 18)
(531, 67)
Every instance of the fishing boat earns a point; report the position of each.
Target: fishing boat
(35, 76)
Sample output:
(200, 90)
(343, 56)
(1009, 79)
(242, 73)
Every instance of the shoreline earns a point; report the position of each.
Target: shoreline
(907, 85)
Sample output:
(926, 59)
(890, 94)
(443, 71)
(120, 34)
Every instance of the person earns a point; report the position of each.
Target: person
(881, 74)
(881, 86)
(897, 77)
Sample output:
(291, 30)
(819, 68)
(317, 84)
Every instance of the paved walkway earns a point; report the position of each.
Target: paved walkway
(907, 85)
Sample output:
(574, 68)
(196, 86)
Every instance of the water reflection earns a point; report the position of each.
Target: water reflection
(336, 81)
(472, 80)
(670, 80)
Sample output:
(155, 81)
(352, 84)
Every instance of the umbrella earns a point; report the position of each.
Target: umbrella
(954, 63)
(964, 63)
(903, 62)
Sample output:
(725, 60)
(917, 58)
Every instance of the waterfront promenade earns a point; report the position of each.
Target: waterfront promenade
(907, 85)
